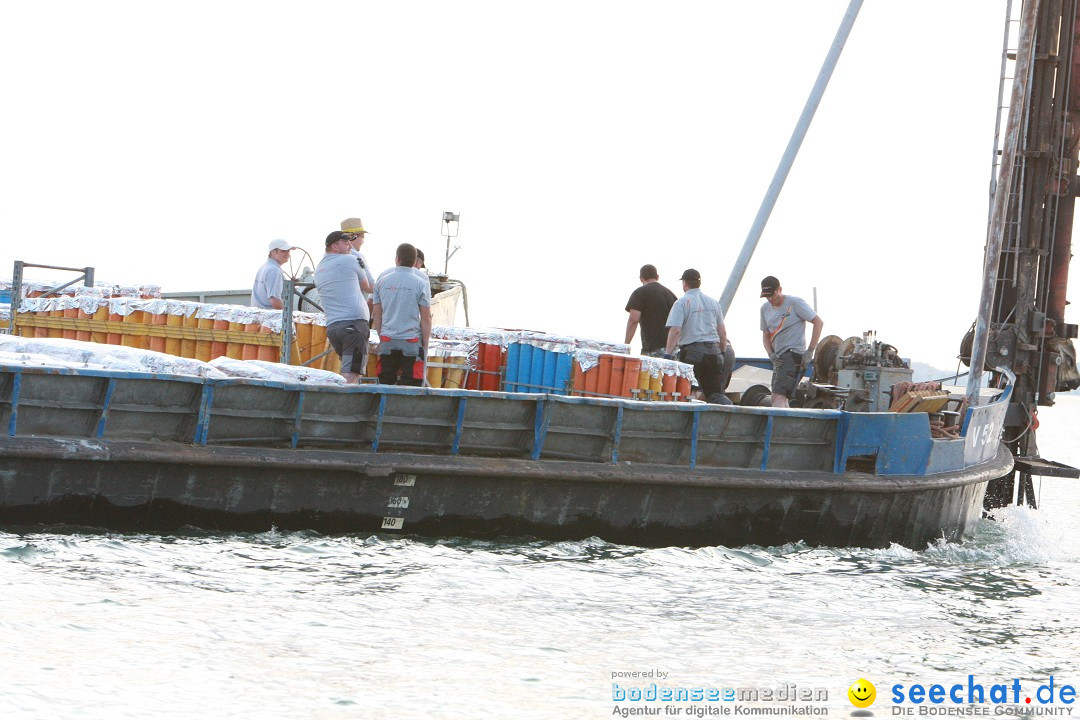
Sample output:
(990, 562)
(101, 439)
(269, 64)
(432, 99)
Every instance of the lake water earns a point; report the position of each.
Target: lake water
(300, 625)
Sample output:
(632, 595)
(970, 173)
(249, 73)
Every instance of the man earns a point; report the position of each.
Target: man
(266, 292)
(696, 325)
(783, 332)
(341, 283)
(355, 227)
(418, 268)
(402, 317)
(649, 306)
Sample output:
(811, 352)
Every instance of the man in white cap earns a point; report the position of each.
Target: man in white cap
(355, 227)
(266, 292)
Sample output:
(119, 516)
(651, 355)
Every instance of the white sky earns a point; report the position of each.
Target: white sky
(168, 143)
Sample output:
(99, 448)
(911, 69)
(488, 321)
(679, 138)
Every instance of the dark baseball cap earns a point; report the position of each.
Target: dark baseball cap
(769, 286)
(338, 235)
(691, 275)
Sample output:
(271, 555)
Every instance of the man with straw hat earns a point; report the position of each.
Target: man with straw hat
(355, 227)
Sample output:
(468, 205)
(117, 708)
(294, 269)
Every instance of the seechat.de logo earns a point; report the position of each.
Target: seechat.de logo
(862, 693)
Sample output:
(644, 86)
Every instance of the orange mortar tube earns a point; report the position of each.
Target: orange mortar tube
(618, 366)
(100, 314)
(83, 335)
(302, 340)
(269, 353)
(578, 384)
(667, 385)
(135, 317)
(435, 374)
(235, 350)
(57, 332)
(655, 384)
(631, 377)
(159, 343)
(113, 338)
(318, 344)
(603, 380)
(249, 352)
(643, 382)
(453, 376)
(204, 348)
(187, 347)
(592, 380)
(218, 348)
(494, 360)
(682, 386)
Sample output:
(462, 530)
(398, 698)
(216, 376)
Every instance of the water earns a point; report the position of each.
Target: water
(300, 625)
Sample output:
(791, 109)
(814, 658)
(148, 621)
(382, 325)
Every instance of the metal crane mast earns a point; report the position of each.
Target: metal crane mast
(1022, 319)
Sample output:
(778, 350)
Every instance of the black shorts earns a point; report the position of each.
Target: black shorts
(349, 340)
(785, 376)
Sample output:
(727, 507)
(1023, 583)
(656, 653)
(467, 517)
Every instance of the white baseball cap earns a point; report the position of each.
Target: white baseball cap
(280, 245)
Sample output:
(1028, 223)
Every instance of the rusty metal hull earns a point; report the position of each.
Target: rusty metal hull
(165, 487)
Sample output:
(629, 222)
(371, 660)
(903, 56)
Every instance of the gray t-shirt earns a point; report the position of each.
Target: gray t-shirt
(416, 271)
(267, 284)
(365, 267)
(401, 293)
(697, 315)
(787, 324)
(337, 278)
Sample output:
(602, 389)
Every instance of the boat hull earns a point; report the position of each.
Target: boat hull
(161, 487)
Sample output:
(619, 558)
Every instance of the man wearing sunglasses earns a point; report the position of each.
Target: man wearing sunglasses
(341, 283)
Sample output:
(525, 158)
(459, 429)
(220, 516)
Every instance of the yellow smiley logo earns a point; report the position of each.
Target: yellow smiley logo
(862, 693)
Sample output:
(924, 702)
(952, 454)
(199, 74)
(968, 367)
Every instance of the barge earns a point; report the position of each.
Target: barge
(159, 453)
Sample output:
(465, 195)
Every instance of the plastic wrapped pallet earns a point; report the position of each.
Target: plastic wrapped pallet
(262, 370)
(109, 357)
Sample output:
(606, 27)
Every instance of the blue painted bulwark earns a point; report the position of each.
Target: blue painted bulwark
(455, 448)
(693, 438)
(206, 404)
(379, 423)
(617, 438)
(540, 428)
(16, 387)
(297, 418)
(768, 441)
(712, 437)
(110, 387)
(895, 443)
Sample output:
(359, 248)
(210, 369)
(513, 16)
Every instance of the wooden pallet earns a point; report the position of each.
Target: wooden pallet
(921, 401)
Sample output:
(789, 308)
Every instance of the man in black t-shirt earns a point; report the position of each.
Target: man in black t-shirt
(649, 306)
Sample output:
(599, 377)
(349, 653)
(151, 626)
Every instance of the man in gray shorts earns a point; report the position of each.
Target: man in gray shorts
(783, 332)
(341, 280)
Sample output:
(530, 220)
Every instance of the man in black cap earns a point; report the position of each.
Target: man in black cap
(649, 306)
(783, 332)
(696, 325)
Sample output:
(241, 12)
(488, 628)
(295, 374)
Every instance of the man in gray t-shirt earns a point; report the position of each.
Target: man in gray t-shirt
(402, 316)
(341, 282)
(696, 325)
(783, 332)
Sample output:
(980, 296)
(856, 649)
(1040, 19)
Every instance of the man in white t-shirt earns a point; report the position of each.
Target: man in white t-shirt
(266, 291)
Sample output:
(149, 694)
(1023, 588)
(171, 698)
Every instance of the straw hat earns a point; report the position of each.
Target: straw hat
(353, 225)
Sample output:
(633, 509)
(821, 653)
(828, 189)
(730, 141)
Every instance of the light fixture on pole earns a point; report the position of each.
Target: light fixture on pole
(450, 225)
